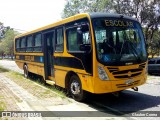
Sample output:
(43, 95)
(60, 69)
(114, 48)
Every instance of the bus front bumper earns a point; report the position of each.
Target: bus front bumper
(110, 86)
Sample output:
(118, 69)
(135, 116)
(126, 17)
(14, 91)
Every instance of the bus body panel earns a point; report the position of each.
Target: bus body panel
(19, 64)
(86, 79)
(66, 61)
(60, 77)
(32, 67)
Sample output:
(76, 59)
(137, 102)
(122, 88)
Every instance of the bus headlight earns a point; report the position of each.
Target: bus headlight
(102, 73)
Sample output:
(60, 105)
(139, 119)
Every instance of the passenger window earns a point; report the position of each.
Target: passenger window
(73, 43)
(38, 40)
(23, 44)
(18, 45)
(29, 41)
(59, 40)
(38, 43)
(29, 44)
(72, 40)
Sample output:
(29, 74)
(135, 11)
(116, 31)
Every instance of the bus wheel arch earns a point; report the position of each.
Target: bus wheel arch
(74, 87)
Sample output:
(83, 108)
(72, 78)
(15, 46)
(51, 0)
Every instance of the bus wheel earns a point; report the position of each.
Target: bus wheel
(75, 89)
(26, 73)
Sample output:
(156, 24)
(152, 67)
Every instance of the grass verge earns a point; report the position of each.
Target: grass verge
(34, 85)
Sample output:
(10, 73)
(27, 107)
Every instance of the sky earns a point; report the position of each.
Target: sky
(26, 15)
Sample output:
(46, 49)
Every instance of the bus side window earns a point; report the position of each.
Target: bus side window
(23, 44)
(18, 45)
(38, 43)
(29, 44)
(72, 39)
(59, 40)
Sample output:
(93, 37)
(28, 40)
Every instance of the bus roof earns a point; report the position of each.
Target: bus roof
(102, 14)
(75, 17)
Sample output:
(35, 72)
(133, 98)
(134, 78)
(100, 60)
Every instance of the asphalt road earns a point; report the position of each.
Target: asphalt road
(129, 103)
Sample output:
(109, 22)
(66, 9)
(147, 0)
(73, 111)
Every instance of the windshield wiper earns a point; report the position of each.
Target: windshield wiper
(134, 51)
(132, 48)
(121, 52)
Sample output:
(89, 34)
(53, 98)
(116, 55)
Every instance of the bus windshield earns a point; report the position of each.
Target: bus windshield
(119, 41)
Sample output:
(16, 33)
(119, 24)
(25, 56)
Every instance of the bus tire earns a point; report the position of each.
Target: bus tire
(75, 89)
(26, 73)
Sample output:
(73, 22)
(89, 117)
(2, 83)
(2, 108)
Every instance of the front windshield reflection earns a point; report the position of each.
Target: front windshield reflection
(119, 43)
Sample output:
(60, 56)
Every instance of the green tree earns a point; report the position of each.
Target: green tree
(73, 7)
(154, 46)
(100, 6)
(1, 31)
(1, 36)
(1, 50)
(8, 42)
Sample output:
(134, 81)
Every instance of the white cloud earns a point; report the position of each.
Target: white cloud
(30, 14)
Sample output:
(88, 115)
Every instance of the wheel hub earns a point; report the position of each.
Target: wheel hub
(75, 88)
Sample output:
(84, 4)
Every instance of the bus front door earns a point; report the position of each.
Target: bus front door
(48, 55)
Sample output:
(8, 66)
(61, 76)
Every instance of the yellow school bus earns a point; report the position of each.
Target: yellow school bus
(88, 52)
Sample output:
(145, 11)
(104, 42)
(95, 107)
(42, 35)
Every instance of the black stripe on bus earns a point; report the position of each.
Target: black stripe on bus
(59, 61)
(68, 62)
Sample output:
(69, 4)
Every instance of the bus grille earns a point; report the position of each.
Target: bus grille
(127, 85)
(126, 73)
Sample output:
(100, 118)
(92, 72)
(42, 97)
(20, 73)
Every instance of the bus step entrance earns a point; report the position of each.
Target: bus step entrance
(51, 82)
